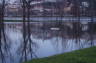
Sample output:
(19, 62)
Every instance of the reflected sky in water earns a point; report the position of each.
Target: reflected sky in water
(48, 41)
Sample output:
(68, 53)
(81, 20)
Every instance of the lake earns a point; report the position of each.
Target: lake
(48, 39)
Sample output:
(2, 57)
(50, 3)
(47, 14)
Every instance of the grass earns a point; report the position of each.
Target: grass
(87, 55)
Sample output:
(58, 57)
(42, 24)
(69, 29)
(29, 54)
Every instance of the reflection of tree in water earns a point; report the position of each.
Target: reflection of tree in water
(76, 38)
(27, 44)
(77, 31)
(62, 37)
(91, 32)
(4, 43)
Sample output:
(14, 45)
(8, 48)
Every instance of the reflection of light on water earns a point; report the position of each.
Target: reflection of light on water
(15, 37)
(48, 47)
(55, 29)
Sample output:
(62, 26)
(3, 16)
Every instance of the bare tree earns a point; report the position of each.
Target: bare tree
(27, 40)
(3, 41)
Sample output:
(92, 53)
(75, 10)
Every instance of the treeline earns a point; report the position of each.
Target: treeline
(57, 8)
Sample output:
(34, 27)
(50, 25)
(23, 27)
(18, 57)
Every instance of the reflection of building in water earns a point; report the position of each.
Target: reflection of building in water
(13, 25)
(45, 31)
(48, 24)
(84, 26)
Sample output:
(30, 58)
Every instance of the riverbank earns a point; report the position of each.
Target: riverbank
(87, 55)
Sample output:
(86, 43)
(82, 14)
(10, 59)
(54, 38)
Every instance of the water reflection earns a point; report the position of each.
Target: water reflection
(50, 38)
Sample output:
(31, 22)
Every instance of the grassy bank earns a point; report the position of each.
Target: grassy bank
(87, 55)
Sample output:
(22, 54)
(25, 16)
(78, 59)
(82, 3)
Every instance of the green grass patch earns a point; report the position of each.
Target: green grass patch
(87, 55)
